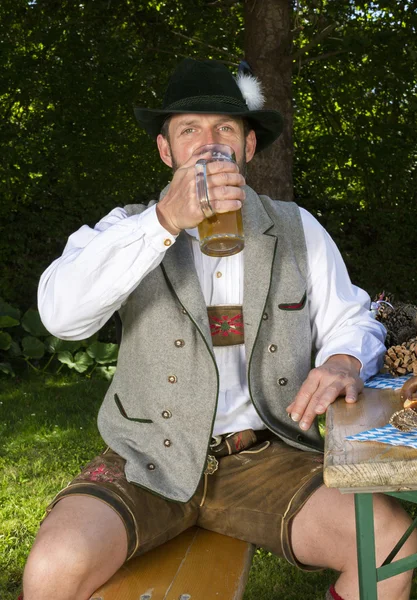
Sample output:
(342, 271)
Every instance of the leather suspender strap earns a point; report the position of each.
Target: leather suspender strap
(226, 325)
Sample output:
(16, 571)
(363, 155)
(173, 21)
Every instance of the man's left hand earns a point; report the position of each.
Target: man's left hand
(338, 376)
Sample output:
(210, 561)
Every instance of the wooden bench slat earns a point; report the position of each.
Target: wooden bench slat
(196, 565)
(217, 567)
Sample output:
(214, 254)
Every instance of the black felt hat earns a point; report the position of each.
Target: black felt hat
(208, 87)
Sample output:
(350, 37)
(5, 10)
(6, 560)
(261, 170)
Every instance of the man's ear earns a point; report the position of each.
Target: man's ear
(164, 150)
(250, 145)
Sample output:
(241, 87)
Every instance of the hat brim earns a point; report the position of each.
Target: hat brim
(267, 124)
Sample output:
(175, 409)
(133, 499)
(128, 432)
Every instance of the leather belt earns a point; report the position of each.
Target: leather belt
(226, 324)
(232, 443)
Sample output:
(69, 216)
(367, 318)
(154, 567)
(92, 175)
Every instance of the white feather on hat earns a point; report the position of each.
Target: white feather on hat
(251, 90)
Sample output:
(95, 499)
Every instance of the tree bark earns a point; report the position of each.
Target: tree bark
(267, 50)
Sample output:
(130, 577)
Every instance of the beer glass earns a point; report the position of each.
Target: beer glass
(220, 234)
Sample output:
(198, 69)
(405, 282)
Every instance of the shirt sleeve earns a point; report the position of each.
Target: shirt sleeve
(341, 321)
(98, 270)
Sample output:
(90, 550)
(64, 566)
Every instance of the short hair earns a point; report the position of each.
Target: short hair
(165, 127)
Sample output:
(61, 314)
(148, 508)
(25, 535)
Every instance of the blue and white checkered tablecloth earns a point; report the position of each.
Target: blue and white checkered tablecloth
(385, 381)
(387, 434)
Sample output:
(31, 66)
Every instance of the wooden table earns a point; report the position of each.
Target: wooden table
(367, 467)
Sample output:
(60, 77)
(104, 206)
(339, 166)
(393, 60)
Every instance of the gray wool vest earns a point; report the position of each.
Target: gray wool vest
(159, 410)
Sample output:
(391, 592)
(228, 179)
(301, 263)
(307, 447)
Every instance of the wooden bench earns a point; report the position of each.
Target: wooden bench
(196, 565)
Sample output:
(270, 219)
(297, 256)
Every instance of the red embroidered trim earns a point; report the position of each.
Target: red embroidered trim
(239, 445)
(102, 473)
(225, 326)
(294, 305)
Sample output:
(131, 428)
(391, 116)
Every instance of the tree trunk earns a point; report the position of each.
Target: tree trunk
(267, 50)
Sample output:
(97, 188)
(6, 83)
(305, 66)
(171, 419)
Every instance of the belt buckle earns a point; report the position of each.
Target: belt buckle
(212, 465)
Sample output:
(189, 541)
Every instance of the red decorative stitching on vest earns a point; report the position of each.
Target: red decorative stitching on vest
(294, 305)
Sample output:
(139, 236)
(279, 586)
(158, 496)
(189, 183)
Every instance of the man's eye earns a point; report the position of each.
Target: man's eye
(226, 128)
(189, 130)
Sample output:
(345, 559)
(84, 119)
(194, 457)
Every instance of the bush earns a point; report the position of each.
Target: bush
(25, 340)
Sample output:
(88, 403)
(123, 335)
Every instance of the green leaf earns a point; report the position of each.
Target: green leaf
(5, 340)
(32, 347)
(54, 344)
(7, 321)
(66, 358)
(106, 372)
(32, 323)
(8, 314)
(82, 361)
(7, 368)
(15, 349)
(103, 353)
(89, 340)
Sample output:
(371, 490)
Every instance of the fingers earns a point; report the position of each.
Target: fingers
(226, 199)
(320, 389)
(225, 179)
(181, 209)
(352, 392)
(225, 186)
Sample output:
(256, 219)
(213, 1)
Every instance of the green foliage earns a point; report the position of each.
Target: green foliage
(80, 362)
(31, 322)
(17, 347)
(356, 137)
(72, 150)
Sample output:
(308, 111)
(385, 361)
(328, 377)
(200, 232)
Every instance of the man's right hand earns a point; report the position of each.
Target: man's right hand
(180, 208)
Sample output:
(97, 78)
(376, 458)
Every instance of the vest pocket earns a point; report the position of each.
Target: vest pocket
(294, 305)
(124, 414)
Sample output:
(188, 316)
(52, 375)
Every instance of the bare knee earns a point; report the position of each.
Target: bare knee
(57, 567)
(391, 521)
(74, 553)
(323, 532)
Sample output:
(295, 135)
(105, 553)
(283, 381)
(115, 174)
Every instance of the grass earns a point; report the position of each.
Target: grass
(48, 431)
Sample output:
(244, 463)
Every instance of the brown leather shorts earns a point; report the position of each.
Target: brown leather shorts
(252, 496)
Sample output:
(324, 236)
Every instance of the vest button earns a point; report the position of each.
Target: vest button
(282, 381)
(166, 414)
(172, 379)
(179, 343)
(150, 467)
(272, 348)
(300, 438)
(167, 443)
(265, 316)
(184, 312)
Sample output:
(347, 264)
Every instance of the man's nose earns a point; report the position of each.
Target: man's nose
(212, 137)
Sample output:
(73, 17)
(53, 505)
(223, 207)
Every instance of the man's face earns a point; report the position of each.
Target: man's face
(188, 132)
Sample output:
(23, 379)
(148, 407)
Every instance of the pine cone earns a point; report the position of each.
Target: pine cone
(400, 322)
(402, 359)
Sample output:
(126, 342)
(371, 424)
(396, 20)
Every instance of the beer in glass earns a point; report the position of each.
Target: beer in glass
(220, 234)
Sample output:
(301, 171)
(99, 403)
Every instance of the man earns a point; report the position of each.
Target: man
(200, 433)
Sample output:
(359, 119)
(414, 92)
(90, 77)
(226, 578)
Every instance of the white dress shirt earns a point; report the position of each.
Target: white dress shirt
(101, 266)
